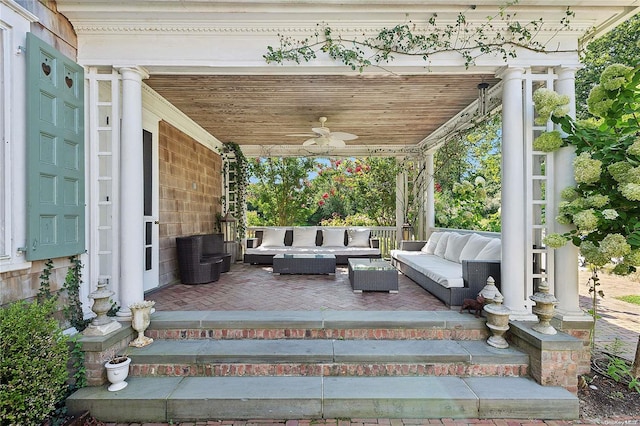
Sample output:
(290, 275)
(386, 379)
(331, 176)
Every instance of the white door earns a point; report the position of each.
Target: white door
(151, 228)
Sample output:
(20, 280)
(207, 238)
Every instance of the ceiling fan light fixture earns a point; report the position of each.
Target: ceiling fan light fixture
(325, 137)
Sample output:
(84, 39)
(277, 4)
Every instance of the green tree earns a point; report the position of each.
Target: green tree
(281, 194)
(467, 174)
(620, 45)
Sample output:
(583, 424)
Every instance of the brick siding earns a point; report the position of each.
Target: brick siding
(190, 185)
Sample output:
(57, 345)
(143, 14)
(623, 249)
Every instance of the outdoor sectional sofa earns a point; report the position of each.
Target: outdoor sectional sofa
(450, 265)
(342, 243)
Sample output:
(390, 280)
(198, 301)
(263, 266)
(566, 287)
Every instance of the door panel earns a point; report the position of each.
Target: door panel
(151, 234)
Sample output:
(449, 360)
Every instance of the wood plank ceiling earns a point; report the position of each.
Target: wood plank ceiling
(266, 110)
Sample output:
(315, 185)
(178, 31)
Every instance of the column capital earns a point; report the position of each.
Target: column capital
(130, 70)
(510, 72)
(568, 68)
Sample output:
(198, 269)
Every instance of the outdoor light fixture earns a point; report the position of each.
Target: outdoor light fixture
(228, 223)
(407, 231)
(482, 98)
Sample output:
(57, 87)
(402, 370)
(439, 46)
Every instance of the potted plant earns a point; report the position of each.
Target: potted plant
(117, 371)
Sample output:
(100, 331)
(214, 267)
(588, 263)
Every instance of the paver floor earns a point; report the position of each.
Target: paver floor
(618, 320)
(256, 288)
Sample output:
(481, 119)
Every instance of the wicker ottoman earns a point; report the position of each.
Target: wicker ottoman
(372, 275)
(304, 264)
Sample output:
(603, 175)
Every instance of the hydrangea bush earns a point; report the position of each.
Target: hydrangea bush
(603, 205)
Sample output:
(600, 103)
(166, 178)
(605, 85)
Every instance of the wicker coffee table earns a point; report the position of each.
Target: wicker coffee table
(304, 264)
(372, 275)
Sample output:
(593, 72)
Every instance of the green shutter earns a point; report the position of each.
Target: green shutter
(55, 153)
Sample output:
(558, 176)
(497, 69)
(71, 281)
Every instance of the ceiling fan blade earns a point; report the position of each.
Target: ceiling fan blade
(308, 142)
(344, 136)
(323, 131)
(338, 143)
(299, 135)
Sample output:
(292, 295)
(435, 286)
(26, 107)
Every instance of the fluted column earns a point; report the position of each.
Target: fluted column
(566, 258)
(513, 195)
(131, 191)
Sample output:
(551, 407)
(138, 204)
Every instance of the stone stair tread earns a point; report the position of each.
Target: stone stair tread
(312, 320)
(323, 351)
(158, 399)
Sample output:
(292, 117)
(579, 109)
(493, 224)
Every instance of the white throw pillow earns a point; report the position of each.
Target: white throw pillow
(441, 246)
(304, 237)
(273, 237)
(455, 245)
(474, 246)
(430, 247)
(492, 251)
(333, 237)
(358, 237)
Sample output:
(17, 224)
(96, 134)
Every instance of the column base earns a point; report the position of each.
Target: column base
(102, 330)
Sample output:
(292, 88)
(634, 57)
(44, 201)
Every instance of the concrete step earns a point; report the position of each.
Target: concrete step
(449, 325)
(178, 399)
(325, 358)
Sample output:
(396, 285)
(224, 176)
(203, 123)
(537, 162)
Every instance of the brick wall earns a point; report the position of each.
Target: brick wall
(190, 190)
(554, 360)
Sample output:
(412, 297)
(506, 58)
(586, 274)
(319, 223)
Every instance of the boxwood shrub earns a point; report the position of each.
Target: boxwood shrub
(33, 363)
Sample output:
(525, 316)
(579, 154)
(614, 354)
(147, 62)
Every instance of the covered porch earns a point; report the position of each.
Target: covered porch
(209, 84)
(224, 91)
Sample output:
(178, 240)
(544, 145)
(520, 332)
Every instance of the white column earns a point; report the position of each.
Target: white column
(430, 210)
(513, 195)
(566, 258)
(131, 192)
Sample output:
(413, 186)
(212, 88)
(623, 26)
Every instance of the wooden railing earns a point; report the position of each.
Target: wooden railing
(387, 235)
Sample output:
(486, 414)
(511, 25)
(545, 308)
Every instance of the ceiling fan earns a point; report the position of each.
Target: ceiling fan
(325, 137)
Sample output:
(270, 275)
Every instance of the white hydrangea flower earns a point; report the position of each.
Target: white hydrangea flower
(630, 191)
(554, 241)
(614, 245)
(586, 169)
(586, 220)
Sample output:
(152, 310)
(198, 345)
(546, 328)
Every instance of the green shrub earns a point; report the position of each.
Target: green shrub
(33, 363)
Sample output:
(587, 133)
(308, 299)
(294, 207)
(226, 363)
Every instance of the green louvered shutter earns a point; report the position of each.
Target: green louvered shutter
(55, 153)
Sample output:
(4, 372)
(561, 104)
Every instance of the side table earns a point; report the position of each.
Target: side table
(372, 275)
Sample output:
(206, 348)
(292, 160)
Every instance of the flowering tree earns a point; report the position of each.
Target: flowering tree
(603, 205)
(357, 192)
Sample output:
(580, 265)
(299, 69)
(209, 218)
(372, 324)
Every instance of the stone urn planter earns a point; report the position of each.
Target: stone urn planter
(497, 322)
(117, 372)
(140, 320)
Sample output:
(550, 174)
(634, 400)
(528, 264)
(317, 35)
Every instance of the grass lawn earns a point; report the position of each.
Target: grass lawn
(633, 298)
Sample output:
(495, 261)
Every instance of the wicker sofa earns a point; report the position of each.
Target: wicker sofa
(450, 265)
(344, 243)
(201, 258)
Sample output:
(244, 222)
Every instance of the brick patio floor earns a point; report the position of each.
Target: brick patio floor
(255, 288)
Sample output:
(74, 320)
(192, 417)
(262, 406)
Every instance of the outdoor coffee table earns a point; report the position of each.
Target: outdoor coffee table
(304, 264)
(372, 275)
